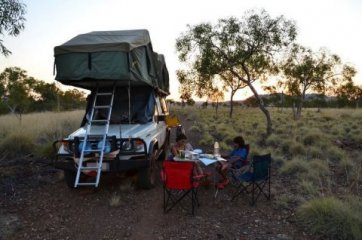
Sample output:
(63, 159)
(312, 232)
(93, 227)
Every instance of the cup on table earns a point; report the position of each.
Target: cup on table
(182, 154)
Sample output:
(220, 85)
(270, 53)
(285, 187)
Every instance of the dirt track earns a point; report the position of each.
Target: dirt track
(53, 211)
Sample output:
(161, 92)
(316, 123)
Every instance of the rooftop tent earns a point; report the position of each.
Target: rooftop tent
(104, 58)
(162, 72)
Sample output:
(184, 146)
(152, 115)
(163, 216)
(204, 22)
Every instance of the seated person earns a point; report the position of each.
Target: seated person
(236, 159)
(182, 144)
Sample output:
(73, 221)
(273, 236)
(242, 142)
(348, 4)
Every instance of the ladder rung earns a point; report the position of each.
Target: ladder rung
(104, 94)
(102, 106)
(99, 121)
(92, 136)
(86, 184)
(92, 150)
(89, 168)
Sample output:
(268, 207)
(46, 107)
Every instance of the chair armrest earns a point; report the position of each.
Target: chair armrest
(163, 176)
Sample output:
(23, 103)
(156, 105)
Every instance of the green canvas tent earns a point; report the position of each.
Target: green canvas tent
(105, 58)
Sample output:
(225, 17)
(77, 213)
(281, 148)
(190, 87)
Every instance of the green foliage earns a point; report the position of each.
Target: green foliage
(309, 188)
(21, 93)
(335, 154)
(45, 150)
(206, 140)
(195, 129)
(12, 20)
(297, 149)
(16, 145)
(273, 140)
(295, 166)
(331, 218)
(312, 138)
(115, 200)
(306, 70)
(287, 201)
(254, 39)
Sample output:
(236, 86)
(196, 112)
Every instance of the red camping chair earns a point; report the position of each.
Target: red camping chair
(179, 183)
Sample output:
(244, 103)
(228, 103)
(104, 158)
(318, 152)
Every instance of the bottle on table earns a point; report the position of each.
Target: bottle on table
(216, 149)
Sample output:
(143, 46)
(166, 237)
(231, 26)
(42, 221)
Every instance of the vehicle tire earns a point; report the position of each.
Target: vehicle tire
(148, 176)
(69, 177)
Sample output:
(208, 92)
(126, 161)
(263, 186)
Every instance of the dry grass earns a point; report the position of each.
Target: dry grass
(36, 129)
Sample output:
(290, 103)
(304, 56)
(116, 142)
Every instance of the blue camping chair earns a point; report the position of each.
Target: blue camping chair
(255, 182)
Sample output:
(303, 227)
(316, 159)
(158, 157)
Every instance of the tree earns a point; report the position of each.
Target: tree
(216, 96)
(349, 92)
(11, 20)
(73, 99)
(48, 96)
(245, 49)
(306, 70)
(16, 89)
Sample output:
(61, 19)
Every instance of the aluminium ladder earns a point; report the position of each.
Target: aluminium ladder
(104, 123)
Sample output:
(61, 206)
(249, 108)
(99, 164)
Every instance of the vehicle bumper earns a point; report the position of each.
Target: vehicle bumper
(114, 165)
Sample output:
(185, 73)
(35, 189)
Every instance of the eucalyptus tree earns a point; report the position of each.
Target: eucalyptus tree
(12, 20)
(16, 89)
(215, 96)
(246, 49)
(348, 91)
(305, 71)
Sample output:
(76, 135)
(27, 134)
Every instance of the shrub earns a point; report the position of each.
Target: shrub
(277, 161)
(195, 129)
(315, 152)
(335, 154)
(17, 145)
(115, 201)
(287, 201)
(297, 149)
(45, 151)
(308, 188)
(294, 166)
(206, 140)
(273, 140)
(312, 138)
(330, 218)
(285, 146)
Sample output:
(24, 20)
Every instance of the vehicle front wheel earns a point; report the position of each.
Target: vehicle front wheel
(69, 177)
(147, 176)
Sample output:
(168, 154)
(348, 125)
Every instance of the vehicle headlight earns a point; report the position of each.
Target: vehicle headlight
(107, 146)
(66, 146)
(127, 146)
(138, 145)
(133, 145)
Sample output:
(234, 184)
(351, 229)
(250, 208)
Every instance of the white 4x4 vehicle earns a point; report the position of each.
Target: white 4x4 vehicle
(124, 125)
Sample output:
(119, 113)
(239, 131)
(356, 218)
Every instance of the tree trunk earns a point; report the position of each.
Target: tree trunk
(217, 106)
(231, 104)
(294, 111)
(300, 105)
(260, 101)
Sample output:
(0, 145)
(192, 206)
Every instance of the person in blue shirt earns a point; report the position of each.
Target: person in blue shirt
(237, 159)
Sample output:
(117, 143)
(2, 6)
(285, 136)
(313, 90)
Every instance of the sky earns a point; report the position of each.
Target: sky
(332, 24)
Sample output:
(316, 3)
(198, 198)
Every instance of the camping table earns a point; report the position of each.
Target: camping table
(206, 159)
